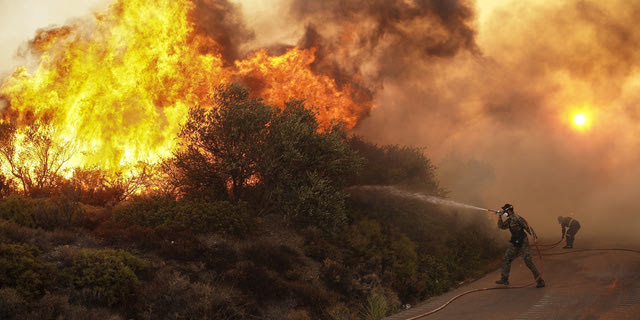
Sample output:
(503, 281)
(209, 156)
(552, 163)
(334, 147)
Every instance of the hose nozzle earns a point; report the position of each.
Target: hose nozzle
(495, 211)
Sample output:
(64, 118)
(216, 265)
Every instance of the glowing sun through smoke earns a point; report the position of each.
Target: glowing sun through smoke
(580, 120)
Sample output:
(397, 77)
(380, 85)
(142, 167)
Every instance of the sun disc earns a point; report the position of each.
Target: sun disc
(580, 119)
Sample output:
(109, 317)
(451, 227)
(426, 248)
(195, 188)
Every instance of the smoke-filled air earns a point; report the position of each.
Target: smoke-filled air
(534, 103)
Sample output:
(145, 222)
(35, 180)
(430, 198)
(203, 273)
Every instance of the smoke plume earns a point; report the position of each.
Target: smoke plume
(498, 120)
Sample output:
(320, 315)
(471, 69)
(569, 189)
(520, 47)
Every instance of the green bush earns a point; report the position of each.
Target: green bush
(376, 307)
(148, 212)
(45, 213)
(395, 165)
(21, 269)
(18, 209)
(110, 276)
(58, 213)
(403, 259)
(396, 252)
(417, 248)
(221, 217)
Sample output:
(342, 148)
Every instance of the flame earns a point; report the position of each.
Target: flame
(120, 88)
(290, 75)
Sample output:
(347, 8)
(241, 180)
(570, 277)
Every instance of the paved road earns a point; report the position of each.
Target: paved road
(582, 285)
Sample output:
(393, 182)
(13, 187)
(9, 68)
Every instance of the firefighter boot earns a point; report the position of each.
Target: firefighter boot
(569, 242)
(540, 283)
(504, 281)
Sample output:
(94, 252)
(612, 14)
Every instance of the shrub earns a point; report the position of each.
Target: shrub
(403, 258)
(58, 213)
(319, 247)
(105, 276)
(298, 314)
(277, 258)
(171, 295)
(260, 283)
(148, 212)
(395, 165)
(221, 217)
(97, 187)
(179, 245)
(376, 307)
(18, 209)
(338, 277)
(13, 232)
(57, 306)
(21, 269)
(45, 213)
(11, 304)
(115, 233)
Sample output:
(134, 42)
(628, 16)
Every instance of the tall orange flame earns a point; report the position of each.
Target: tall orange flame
(290, 75)
(121, 88)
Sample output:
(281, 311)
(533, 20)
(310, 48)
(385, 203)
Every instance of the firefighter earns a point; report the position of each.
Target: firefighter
(519, 244)
(573, 226)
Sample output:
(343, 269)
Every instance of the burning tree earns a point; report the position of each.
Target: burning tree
(221, 146)
(121, 84)
(296, 168)
(33, 157)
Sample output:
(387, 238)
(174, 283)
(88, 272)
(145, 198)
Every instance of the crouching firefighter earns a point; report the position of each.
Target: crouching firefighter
(573, 226)
(519, 244)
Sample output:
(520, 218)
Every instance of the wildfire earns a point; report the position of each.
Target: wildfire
(120, 89)
(290, 76)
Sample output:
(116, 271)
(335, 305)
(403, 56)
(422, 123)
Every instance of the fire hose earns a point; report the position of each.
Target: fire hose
(495, 287)
(547, 247)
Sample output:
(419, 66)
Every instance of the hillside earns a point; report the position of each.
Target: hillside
(64, 259)
(256, 215)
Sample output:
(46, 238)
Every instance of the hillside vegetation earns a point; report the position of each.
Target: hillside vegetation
(258, 215)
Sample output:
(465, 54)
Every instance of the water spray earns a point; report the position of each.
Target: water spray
(423, 197)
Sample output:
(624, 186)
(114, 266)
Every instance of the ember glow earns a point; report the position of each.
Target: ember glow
(119, 88)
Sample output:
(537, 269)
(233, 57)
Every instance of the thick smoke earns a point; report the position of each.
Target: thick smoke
(222, 21)
(498, 123)
(369, 43)
(381, 39)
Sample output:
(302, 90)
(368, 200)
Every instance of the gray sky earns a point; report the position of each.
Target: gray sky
(19, 20)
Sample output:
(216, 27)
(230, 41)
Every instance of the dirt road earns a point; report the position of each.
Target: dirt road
(583, 284)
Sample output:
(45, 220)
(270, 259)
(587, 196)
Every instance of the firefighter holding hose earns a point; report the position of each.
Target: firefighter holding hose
(519, 244)
(570, 227)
